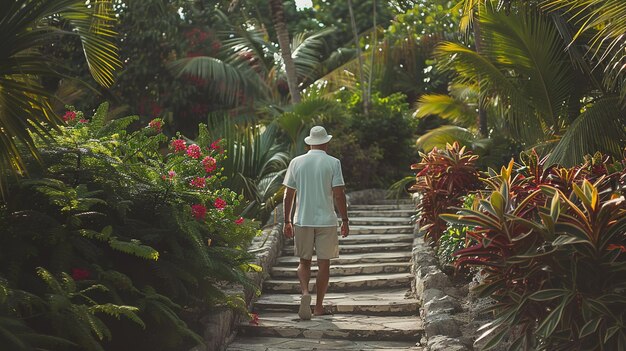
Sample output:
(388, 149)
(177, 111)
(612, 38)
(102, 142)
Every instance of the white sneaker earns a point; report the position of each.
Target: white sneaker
(305, 307)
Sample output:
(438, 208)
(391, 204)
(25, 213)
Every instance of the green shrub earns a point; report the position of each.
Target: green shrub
(113, 240)
(454, 238)
(375, 148)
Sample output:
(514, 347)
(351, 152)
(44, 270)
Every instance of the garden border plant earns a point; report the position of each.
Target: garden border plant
(111, 225)
(540, 235)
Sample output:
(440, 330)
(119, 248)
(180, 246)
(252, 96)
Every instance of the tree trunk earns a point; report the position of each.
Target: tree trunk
(355, 31)
(373, 46)
(278, 17)
(482, 113)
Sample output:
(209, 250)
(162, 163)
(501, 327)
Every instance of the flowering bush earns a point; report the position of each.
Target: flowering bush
(111, 227)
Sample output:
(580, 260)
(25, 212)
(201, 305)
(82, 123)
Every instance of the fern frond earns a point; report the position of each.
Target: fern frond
(118, 311)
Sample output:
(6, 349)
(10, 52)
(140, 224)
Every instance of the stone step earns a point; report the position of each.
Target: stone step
(341, 326)
(380, 229)
(361, 248)
(294, 344)
(346, 270)
(369, 239)
(341, 284)
(391, 301)
(380, 221)
(381, 207)
(362, 258)
(381, 213)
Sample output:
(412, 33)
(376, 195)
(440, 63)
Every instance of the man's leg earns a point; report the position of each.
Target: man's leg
(303, 248)
(304, 274)
(321, 284)
(326, 247)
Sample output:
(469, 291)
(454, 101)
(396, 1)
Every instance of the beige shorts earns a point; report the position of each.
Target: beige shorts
(325, 240)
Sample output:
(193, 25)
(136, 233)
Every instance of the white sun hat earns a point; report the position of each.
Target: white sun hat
(317, 136)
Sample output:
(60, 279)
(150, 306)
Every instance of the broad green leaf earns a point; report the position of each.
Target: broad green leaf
(565, 239)
(590, 327)
(548, 294)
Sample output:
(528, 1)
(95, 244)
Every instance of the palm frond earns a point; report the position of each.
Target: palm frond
(25, 107)
(443, 135)
(229, 81)
(530, 45)
(601, 127)
(446, 107)
(606, 21)
(307, 52)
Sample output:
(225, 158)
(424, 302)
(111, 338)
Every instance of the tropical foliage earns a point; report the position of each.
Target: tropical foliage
(114, 245)
(541, 235)
(26, 26)
(536, 87)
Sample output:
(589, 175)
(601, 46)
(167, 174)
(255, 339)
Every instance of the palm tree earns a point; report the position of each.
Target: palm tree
(526, 72)
(25, 106)
(603, 22)
(278, 17)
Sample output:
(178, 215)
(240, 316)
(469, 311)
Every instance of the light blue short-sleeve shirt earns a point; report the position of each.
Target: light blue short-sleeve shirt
(313, 175)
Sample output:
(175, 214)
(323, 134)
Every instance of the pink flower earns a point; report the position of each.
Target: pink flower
(198, 211)
(179, 145)
(80, 274)
(254, 319)
(170, 175)
(156, 124)
(194, 151)
(84, 121)
(219, 204)
(69, 116)
(198, 182)
(216, 144)
(209, 164)
(239, 221)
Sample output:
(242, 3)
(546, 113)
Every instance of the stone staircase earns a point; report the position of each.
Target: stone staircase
(369, 292)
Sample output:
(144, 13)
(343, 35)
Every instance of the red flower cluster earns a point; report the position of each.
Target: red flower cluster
(179, 145)
(209, 164)
(83, 120)
(198, 211)
(239, 221)
(69, 116)
(194, 151)
(156, 124)
(198, 182)
(220, 204)
(216, 144)
(80, 274)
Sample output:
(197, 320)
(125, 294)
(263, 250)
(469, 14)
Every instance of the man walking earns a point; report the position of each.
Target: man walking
(314, 180)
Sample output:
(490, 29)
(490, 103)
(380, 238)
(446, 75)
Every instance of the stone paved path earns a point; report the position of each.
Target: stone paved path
(369, 292)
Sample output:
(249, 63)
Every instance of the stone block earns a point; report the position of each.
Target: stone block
(441, 324)
(445, 304)
(444, 343)
(430, 294)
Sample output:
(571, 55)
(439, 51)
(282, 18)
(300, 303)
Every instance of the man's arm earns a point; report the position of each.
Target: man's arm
(287, 207)
(339, 195)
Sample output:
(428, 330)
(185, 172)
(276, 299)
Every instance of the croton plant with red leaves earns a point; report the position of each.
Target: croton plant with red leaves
(443, 177)
(549, 242)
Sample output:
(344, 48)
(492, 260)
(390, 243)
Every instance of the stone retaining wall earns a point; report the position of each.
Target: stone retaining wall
(219, 326)
(435, 291)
